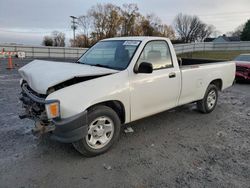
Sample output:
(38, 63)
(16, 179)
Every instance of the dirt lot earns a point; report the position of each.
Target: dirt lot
(177, 148)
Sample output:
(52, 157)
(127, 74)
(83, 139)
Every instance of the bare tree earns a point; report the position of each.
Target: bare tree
(154, 21)
(113, 20)
(237, 32)
(151, 25)
(206, 31)
(138, 29)
(147, 25)
(55, 39)
(166, 31)
(97, 13)
(85, 24)
(81, 40)
(47, 41)
(106, 20)
(58, 38)
(129, 17)
(147, 28)
(191, 28)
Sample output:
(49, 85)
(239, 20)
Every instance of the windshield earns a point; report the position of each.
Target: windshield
(243, 58)
(114, 54)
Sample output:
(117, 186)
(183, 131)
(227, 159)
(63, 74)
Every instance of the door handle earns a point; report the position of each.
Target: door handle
(172, 75)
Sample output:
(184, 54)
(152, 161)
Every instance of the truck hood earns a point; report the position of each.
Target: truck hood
(41, 75)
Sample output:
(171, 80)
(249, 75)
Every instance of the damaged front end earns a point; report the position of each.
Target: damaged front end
(66, 130)
(34, 108)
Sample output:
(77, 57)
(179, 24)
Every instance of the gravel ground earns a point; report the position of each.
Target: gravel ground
(176, 148)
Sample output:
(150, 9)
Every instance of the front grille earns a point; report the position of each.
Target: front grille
(33, 102)
(34, 92)
(34, 96)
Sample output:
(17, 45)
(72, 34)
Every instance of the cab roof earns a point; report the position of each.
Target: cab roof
(140, 38)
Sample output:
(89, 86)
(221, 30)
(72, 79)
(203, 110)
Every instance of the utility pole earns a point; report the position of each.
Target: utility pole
(74, 26)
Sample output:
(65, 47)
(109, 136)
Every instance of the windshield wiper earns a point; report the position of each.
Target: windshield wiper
(79, 62)
(97, 65)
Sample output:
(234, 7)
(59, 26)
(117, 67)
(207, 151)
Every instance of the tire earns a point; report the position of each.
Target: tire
(99, 140)
(209, 102)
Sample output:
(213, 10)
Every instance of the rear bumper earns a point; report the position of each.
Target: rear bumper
(70, 129)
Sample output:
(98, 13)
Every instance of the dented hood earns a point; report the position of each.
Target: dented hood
(41, 75)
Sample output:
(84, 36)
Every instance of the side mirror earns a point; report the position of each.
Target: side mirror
(145, 67)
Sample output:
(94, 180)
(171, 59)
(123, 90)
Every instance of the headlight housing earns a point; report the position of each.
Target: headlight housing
(53, 109)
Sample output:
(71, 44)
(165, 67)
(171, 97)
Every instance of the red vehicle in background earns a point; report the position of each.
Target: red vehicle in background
(242, 67)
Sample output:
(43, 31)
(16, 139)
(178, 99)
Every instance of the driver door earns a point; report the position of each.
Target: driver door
(157, 91)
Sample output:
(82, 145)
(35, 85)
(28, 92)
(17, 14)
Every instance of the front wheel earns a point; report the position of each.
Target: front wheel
(208, 103)
(103, 131)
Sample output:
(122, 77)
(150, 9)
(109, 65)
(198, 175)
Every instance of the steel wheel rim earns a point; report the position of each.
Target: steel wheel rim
(100, 132)
(211, 99)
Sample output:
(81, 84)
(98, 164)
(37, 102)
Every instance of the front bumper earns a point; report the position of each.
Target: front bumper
(70, 129)
(66, 130)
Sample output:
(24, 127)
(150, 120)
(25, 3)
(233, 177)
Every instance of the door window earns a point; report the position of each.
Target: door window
(157, 53)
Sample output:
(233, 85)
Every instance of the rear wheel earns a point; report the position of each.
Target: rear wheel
(103, 131)
(208, 103)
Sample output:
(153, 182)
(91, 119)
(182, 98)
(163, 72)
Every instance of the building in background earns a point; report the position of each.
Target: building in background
(223, 38)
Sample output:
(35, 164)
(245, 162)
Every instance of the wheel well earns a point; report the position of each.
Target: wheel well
(117, 106)
(217, 83)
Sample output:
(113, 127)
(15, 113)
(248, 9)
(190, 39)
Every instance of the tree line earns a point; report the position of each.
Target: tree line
(108, 20)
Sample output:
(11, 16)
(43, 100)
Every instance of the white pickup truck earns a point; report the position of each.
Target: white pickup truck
(117, 81)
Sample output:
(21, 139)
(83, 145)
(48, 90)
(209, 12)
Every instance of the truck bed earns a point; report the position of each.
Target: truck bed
(189, 61)
(196, 78)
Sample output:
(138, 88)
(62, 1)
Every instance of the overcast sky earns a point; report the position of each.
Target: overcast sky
(27, 21)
